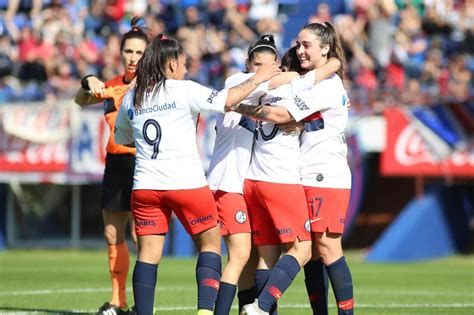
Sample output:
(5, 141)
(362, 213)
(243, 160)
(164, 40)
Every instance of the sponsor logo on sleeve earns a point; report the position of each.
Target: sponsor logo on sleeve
(212, 96)
(130, 113)
(300, 103)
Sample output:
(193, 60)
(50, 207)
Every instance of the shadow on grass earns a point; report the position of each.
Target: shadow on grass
(25, 310)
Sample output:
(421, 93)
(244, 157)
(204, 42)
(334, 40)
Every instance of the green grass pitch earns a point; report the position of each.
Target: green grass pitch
(76, 282)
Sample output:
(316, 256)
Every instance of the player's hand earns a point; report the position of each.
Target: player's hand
(291, 127)
(267, 71)
(96, 87)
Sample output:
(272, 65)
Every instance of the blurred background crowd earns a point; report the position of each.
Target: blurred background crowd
(398, 51)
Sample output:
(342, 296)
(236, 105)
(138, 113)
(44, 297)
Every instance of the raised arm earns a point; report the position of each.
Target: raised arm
(320, 74)
(92, 91)
(237, 93)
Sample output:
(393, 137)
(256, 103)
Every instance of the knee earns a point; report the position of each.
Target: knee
(328, 254)
(239, 256)
(110, 235)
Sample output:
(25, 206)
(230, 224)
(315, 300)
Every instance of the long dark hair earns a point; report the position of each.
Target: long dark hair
(265, 44)
(327, 35)
(151, 68)
(136, 31)
(290, 61)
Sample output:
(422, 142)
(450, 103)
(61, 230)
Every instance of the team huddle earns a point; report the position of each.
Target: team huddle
(278, 184)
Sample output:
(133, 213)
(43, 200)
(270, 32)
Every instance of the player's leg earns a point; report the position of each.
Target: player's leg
(316, 281)
(328, 211)
(247, 289)
(150, 249)
(287, 207)
(151, 217)
(197, 211)
(208, 268)
(115, 223)
(238, 250)
(330, 249)
(116, 190)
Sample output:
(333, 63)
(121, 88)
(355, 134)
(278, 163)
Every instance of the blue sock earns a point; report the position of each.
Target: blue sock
(281, 276)
(261, 277)
(247, 297)
(225, 297)
(341, 282)
(316, 280)
(208, 274)
(144, 283)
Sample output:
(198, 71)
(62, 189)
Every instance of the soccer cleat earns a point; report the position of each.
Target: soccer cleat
(110, 309)
(253, 309)
(205, 312)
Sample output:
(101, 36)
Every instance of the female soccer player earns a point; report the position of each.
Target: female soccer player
(324, 171)
(119, 165)
(227, 170)
(159, 117)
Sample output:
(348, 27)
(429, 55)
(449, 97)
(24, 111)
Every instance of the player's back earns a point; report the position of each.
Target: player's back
(164, 129)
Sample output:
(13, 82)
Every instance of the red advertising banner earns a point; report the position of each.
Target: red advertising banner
(408, 153)
(35, 138)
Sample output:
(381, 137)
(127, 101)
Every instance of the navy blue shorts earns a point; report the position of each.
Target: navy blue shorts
(118, 182)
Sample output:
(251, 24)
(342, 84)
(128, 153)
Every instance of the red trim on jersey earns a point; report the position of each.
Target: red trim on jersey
(314, 116)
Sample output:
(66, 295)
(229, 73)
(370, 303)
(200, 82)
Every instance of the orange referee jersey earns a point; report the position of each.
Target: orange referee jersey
(111, 107)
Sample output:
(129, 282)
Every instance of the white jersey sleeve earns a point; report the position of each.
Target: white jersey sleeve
(254, 97)
(233, 146)
(201, 98)
(123, 131)
(319, 98)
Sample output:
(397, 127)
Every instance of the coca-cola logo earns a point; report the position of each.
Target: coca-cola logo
(410, 148)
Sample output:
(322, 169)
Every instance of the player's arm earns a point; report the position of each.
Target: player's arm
(320, 74)
(92, 91)
(237, 93)
(273, 114)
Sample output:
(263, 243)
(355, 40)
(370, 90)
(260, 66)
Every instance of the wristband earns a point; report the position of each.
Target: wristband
(84, 83)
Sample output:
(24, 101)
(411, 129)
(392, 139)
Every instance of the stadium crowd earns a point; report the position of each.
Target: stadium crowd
(422, 47)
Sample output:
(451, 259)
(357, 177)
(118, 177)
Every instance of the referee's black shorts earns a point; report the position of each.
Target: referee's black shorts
(118, 182)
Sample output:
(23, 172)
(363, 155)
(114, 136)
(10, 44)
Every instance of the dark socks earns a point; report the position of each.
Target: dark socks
(208, 274)
(225, 297)
(247, 297)
(144, 283)
(341, 282)
(281, 276)
(316, 280)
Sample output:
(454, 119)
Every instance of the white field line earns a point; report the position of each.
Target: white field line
(190, 288)
(282, 306)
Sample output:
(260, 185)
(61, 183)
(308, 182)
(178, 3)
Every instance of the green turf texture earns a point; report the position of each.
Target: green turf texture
(67, 282)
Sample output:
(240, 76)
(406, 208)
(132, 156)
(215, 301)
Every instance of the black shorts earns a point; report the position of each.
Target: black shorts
(118, 182)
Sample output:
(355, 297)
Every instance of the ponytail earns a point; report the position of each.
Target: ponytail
(327, 35)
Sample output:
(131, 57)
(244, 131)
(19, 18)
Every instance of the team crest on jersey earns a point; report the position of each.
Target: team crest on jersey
(241, 217)
(307, 225)
(130, 113)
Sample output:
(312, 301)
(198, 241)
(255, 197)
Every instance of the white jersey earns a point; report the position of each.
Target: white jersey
(232, 149)
(275, 155)
(164, 131)
(323, 158)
